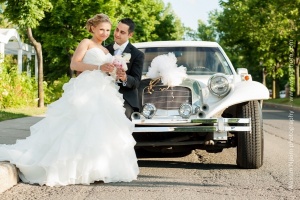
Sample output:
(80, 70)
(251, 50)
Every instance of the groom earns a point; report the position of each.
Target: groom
(131, 78)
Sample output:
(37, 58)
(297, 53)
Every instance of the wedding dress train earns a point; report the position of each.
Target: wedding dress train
(85, 136)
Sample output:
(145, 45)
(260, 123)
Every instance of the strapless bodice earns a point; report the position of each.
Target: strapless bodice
(96, 56)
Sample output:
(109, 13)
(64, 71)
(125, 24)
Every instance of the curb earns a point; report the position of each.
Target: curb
(8, 176)
(10, 131)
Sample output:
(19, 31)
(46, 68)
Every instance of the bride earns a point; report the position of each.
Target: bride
(85, 136)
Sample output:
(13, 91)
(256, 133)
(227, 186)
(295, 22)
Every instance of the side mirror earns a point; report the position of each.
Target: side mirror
(243, 72)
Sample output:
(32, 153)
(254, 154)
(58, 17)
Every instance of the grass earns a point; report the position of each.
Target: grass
(286, 101)
(13, 113)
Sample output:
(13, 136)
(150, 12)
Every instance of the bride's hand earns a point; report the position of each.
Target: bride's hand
(107, 67)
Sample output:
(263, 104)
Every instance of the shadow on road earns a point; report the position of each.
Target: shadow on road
(184, 165)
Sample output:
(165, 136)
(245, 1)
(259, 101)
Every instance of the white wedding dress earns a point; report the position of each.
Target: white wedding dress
(85, 136)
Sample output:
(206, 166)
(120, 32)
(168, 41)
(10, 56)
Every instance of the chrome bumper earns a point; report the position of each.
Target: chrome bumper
(219, 126)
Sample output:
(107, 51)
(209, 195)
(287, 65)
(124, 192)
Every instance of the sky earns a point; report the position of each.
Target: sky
(189, 11)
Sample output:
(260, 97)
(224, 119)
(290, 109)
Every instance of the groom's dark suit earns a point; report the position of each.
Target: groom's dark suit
(134, 74)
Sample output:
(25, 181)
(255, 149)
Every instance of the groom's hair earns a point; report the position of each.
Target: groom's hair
(128, 22)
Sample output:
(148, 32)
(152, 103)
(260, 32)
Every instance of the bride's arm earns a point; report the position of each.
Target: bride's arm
(76, 61)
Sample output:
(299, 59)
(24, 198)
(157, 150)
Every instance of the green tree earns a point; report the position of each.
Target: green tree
(27, 15)
(169, 26)
(260, 31)
(4, 23)
(290, 10)
(206, 32)
(64, 27)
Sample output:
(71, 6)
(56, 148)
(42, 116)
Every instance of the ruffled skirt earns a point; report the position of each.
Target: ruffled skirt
(85, 137)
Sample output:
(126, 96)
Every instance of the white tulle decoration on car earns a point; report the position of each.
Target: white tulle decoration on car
(165, 67)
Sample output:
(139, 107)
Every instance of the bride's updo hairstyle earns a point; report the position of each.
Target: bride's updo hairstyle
(97, 19)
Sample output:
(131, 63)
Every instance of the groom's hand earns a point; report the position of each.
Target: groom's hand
(121, 74)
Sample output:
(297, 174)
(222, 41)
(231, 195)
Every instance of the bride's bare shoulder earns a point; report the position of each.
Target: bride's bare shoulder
(84, 44)
(86, 41)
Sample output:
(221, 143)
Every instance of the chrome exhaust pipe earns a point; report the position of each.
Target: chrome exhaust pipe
(135, 115)
(205, 107)
(201, 114)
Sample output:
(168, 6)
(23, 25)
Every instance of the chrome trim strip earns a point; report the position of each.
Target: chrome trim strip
(191, 129)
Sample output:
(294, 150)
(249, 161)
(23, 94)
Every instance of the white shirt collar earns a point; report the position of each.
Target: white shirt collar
(121, 47)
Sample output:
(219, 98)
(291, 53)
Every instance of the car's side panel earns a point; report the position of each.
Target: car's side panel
(241, 92)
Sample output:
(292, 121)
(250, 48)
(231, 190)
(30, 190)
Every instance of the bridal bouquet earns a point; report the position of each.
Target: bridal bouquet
(119, 61)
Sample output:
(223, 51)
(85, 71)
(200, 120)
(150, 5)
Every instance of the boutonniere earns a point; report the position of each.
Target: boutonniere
(126, 57)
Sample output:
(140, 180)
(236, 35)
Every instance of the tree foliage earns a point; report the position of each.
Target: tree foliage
(260, 31)
(169, 26)
(60, 32)
(206, 32)
(4, 23)
(27, 14)
(64, 27)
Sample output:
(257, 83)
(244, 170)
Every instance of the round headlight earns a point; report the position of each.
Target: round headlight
(185, 110)
(219, 85)
(148, 110)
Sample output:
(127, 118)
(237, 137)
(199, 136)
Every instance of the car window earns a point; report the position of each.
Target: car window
(197, 60)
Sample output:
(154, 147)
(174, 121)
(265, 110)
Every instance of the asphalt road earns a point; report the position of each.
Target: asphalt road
(201, 175)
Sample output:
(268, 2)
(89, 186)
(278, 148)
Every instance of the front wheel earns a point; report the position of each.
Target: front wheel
(250, 145)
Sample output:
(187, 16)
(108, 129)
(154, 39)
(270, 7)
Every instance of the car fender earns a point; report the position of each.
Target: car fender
(241, 92)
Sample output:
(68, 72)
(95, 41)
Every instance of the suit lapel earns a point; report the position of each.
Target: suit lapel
(128, 48)
(111, 49)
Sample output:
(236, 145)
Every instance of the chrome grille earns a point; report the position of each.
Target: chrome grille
(167, 98)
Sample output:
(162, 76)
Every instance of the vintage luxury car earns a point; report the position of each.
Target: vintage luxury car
(213, 108)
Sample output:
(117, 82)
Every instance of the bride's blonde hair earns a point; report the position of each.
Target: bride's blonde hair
(97, 19)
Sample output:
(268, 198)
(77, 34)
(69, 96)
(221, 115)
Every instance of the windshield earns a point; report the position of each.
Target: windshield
(197, 60)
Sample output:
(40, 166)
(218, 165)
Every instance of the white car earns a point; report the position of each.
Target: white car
(282, 94)
(212, 108)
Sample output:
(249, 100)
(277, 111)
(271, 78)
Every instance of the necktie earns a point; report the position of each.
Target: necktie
(116, 46)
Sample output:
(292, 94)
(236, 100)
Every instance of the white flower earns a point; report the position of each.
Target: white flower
(120, 61)
(127, 57)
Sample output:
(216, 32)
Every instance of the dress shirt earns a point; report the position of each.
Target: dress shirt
(119, 48)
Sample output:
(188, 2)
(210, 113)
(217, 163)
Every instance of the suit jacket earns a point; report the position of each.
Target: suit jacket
(134, 75)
